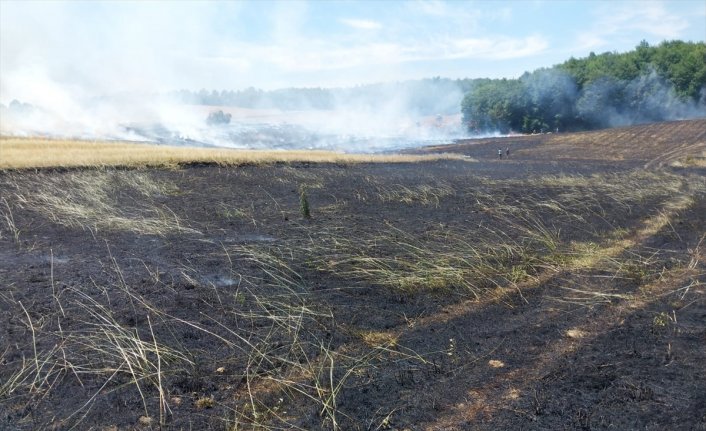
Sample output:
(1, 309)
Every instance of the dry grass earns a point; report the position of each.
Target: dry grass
(102, 349)
(518, 238)
(469, 260)
(696, 161)
(27, 153)
(424, 194)
(90, 200)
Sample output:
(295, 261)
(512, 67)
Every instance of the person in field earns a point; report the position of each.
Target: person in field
(500, 153)
(507, 152)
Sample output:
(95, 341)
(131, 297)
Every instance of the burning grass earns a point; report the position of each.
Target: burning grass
(27, 153)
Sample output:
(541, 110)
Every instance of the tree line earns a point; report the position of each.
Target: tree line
(417, 97)
(650, 83)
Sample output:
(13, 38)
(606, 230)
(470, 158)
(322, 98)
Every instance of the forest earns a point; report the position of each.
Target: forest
(647, 84)
(429, 96)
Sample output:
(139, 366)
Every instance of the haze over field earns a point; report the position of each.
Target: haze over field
(114, 70)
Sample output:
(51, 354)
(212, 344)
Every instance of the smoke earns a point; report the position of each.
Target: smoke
(365, 118)
(609, 102)
(113, 70)
(550, 99)
(100, 70)
(552, 90)
(114, 117)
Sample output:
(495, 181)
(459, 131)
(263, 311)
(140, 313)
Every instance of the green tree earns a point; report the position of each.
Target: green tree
(650, 83)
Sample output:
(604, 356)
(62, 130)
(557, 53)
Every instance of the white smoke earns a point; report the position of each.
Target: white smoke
(109, 70)
(608, 102)
(358, 119)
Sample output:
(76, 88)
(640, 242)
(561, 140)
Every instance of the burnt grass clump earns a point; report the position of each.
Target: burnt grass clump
(524, 293)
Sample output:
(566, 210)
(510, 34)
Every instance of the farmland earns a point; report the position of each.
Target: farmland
(561, 287)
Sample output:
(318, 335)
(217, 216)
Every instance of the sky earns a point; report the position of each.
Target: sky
(92, 48)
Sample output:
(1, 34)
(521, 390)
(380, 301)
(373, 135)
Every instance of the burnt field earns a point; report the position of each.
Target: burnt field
(562, 288)
(675, 143)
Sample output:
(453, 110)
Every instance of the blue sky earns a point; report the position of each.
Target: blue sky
(90, 48)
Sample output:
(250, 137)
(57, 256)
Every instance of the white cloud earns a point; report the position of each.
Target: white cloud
(311, 55)
(589, 41)
(105, 48)
(432, 7)
(500, 48)
(648, 17)
(623, 21)
(361, 24)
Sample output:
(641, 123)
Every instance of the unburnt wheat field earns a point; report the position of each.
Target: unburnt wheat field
(561, 287)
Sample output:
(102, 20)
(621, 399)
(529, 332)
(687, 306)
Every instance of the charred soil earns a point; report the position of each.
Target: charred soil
(531, 293)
